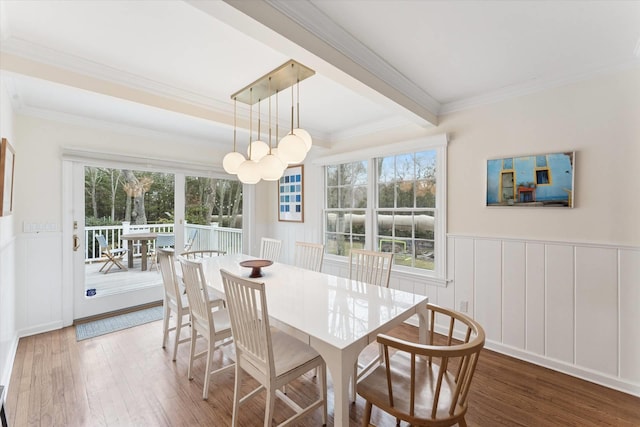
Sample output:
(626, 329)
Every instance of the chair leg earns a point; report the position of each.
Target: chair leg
(354, 382)
(236, 395)
(207, 373)
(177, 337)
(366, 417)
(192, 352)
(165, 325)
(269, 407)
(323, 381)
(462, 422)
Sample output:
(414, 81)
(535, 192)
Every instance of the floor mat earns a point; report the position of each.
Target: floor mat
(117, 323)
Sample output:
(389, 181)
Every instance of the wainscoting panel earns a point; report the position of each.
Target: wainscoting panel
(534, 298)
(488, 287)
(513, 293)
(560, 310)
(572, 307)
(596, 298)
(630, 314)
(463, 272)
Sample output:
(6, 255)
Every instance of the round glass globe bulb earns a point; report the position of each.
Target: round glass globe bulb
(232, 161)
(258, 150)
(304, 135)
(291, 149)
(271, 167)
(249, 172)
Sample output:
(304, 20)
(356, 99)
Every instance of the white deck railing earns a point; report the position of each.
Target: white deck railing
(204, 237)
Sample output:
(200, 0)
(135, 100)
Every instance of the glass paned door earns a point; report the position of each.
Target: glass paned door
(213, 214)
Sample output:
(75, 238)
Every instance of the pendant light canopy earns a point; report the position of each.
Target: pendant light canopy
(263, 160)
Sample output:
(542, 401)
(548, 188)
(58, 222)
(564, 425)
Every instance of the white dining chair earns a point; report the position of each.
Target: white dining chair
(213, 325)
(270, 356)
(309, 255)
(270, 249)
(174, 300)
(373, 268)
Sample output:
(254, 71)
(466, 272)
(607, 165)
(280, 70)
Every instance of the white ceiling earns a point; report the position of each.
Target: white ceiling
(170, 66)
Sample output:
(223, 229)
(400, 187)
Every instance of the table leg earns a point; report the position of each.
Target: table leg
(130, 254)
(143, 251)
(340, 365)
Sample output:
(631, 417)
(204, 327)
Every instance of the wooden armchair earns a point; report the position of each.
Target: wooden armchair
(426, 385)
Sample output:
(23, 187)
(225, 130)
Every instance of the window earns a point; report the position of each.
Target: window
(390, 203)
(405, 214)
(542, 171)
(346, 202)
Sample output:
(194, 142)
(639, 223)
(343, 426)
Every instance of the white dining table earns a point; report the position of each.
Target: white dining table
(336, 316)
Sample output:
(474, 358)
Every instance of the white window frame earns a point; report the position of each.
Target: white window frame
(437, 143)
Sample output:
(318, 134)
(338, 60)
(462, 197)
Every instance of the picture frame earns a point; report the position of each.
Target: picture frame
(7, 164)
(291, 194)
(539, 180)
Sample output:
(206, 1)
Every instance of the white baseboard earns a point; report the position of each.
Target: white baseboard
(38, 329)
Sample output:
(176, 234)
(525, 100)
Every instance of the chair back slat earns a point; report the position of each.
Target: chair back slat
(270, 249)
(196, 286)
(249, 321)
(309, 255)
(167, 267)
(370, 267)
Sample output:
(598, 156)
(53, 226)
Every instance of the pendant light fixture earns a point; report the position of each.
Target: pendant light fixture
(271, 166)
(248, 171)
(232, 161)
(298, 130)
(264, 160)
(292, 148)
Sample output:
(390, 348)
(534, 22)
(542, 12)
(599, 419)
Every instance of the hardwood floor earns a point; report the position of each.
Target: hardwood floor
(127, 379)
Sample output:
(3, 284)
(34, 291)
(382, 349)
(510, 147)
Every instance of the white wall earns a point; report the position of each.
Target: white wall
(8, 333)
(559, 287)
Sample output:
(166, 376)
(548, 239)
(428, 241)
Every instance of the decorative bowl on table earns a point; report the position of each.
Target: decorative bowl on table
(256, 265)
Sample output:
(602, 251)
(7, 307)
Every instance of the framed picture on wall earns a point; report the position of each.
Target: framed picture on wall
(542, 180)
(291, 194)
(7, 162)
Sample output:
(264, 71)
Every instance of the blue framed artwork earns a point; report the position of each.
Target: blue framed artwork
(543, 180)
(291, 194)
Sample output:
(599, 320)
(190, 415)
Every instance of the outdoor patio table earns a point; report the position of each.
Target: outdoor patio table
(143, 238)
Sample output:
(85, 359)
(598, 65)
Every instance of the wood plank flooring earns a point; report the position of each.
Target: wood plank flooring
(127, 379)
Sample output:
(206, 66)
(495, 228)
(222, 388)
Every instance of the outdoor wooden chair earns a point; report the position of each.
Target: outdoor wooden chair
(426, 385)
(114, 256)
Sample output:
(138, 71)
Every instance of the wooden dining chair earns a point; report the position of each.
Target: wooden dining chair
(373, 268)
(309, 255)
(113, 255)
(213, 325)
(175, 301)
(270, 249)
(426, 385)
(270, 356)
